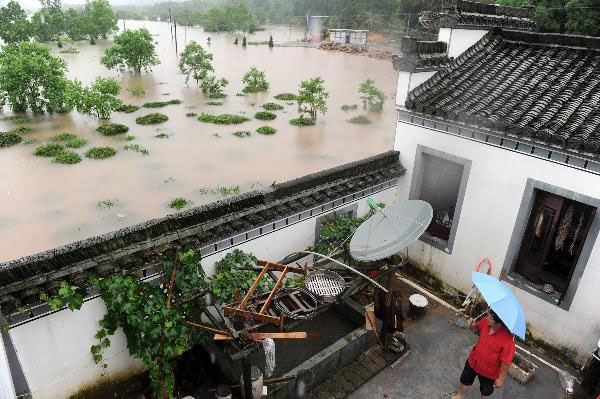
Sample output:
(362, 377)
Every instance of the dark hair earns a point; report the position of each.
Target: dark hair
(495, 317)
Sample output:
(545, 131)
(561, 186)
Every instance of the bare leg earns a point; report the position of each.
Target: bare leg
(460, 394)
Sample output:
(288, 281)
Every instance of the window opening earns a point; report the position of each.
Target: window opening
(440, 187)
(554, 237)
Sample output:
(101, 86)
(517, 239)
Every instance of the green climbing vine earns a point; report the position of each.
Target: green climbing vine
(67, 295)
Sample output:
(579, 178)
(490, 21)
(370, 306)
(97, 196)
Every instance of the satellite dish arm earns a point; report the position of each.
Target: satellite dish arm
(344, 265)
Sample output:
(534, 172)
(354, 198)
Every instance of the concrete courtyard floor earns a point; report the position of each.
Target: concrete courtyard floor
(438, 351)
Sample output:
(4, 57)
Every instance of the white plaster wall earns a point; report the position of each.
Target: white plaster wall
(408, 81)
(462, 39)
(54, 351)
(444, 35)
(493, 195)
(7, 391)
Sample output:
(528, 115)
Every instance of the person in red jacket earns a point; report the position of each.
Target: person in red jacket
(490, 359)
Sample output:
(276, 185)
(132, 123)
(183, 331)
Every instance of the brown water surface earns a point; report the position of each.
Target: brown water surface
(44, 204)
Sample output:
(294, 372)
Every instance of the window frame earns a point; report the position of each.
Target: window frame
(520, 227)
(415, 192)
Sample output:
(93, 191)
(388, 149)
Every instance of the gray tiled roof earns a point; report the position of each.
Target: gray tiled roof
(471, 14)
(544, 87)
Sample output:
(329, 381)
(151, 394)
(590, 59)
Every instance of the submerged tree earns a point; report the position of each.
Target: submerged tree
(195, 62)
(371, 97)
(31, 78)
(134, 49)
(312, 97)
(47, 25)
(212, 85)
(255, 81)
(98, 99)
(14, 26)
(102, 19)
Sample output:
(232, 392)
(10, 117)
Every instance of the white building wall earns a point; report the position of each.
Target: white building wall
(461, 39)
(7, 390)
(54, 351)
(493, 196)
(408, 81)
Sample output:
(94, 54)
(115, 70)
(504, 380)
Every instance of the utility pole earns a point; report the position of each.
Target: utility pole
(175, 24)
(170, 23)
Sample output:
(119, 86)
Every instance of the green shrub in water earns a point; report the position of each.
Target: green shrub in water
(23, 130)
(108, 203)
(215, 103)
(286, 96)
(265, 116)
(223, 119)
(48, 150)
(162, 136)
(112, 129)
(152, 119)
(272, 107)
(266, 130)
(217, 96)
(128, 108)
(16, 119)
(100, 152)
(242, 133)
(8, 139)
(349, 107)
(128, 138)
(360, 120)
(67, 158)
(137, 91)
(191, 114)
(302, 122)
(136, 148)
(160, 104)
(70, 140)
(64, 137)
(179, 203)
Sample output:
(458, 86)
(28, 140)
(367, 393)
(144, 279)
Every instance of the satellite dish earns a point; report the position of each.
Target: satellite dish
(390, 230)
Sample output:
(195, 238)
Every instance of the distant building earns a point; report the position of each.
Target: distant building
(348, 36)
(314, 26)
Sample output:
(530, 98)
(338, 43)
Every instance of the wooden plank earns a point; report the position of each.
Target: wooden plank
(207, 328)
(251, 291)
(280, 268)
(253, 316)
(258, 336)
(273, 291)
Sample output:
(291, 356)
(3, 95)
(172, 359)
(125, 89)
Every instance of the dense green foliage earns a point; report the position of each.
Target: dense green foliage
(154, 319)
(97, 19)
(371, 97)
(151, 119)
(67, 158)
(100, 152)
(231, 279)
(223, 119)
(214, 86)
(99, 99)
(195, 62)
(31, 78)
(23, 130)
(69, 140)
(272, 107)
(160, 104)
(265, 116)
(286, 97)
(578, 17)
(128, 108)
(112, 129)
(9, 138)
(179, 203)
(302, 121)
(137, 91)
(360, 120)
(47, 24)
(312, 97)
(14, 26)
(133, 49)
(48, 150)
(266, 130)
(230, 17)
(255, 81)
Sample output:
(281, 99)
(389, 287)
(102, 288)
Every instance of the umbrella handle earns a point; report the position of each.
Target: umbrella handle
(477, 318)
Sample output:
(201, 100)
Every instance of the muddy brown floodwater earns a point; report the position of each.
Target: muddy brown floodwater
(44, 204)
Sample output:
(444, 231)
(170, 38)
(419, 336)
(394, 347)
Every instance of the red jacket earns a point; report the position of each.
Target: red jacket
(491, 351)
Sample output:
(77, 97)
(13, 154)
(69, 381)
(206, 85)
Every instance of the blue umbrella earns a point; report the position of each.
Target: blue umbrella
(502, 301)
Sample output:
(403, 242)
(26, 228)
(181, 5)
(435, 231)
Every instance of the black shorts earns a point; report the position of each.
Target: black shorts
(486, 385)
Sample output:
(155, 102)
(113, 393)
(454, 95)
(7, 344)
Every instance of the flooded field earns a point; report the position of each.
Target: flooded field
(44, 204)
